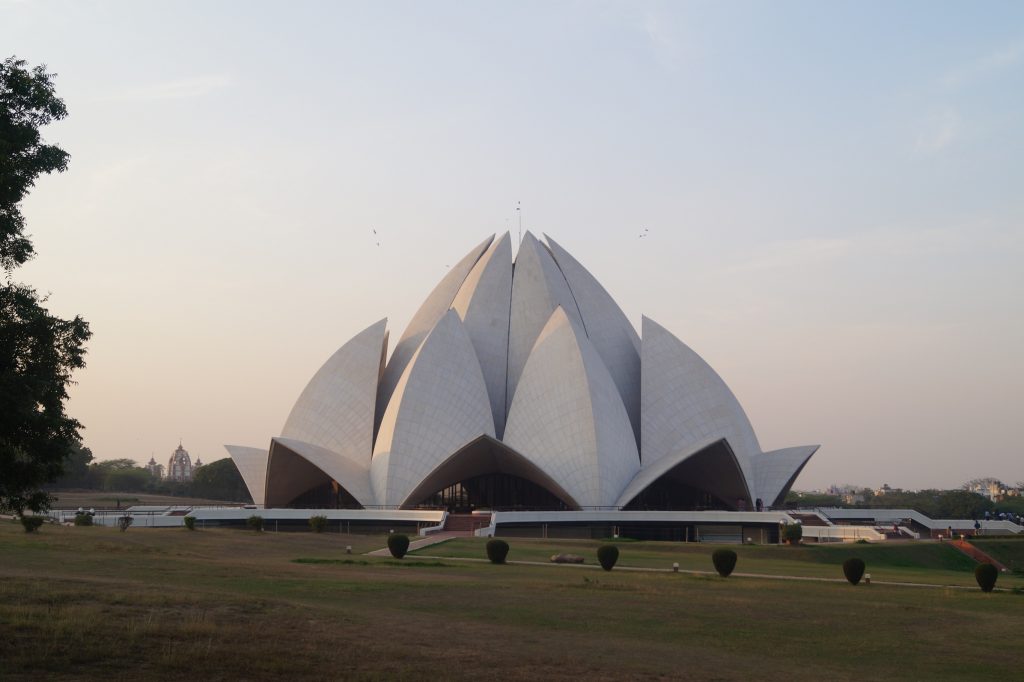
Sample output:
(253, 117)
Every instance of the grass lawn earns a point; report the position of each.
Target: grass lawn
(94, 603)
(918, 562)
(1008, 551)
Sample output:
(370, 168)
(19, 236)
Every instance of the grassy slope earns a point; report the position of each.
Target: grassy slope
(1008, 551)
(88, 603)
(904, 562)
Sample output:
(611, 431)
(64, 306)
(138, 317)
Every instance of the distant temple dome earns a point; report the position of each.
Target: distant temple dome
(180, 468)
(518, 385)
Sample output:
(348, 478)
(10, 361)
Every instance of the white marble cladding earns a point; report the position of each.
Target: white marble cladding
(607, 328)
(432, 310)
(775, 471)
(336, 409)
(483, 304)
(439, 405)
(538, 287)
(684, 402)
(353, 476)
(487, 353)
(252, 465)
(567, 416)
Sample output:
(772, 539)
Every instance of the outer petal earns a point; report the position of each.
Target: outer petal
(252, 465)
(538, 287)
(684, 403)
(703, 466)
(295, 467)
(335, 410)
(432, 310)
(776, 471)
(568, 419)
(607, 328)
(439, 405)
(486, 455)
(483, 304)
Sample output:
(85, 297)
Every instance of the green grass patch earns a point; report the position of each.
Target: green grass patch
(917, 562)
(1007, 551)
(379, 562)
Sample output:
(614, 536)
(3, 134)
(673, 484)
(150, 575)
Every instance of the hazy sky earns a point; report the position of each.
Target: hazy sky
(834, 193)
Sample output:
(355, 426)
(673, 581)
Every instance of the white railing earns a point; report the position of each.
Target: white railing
(842, 533)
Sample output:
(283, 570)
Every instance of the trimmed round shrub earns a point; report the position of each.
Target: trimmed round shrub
(31, 523)
(607, 555)
(986, 575)
(398, 545)
(318, 524)
(497, 550)
(190, 522)
(83, 519)
(724, 561)
(255, 522)
(853, 569)
(792, 533)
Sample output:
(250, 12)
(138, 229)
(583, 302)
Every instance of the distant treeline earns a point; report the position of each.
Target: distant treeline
(936, 504)
(218, 480)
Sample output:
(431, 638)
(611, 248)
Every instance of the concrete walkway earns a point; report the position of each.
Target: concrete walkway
(417, 544)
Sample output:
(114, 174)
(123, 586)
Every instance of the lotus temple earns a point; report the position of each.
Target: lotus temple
(519, 385)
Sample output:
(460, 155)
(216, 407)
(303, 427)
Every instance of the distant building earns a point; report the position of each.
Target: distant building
(155, 470)
(180, 467)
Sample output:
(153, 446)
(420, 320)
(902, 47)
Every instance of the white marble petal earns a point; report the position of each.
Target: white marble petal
(538, 287)
(567, 416)
(683, 402)
(336, 409)
(607, 328)
(721, 475)
(439, 405)
(252, 465)
(436, 305)
(353, 477)
(776, 471)
(483, 304)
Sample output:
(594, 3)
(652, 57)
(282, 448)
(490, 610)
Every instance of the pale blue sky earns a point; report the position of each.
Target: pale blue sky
(834, 193)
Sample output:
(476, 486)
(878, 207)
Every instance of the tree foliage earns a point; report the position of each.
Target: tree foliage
(38, 351)
(398, 545)
(607, 556)
(27, 103)
(724, 561)
(986, 574)
(220, 480)
(853, 569)
(497, 550)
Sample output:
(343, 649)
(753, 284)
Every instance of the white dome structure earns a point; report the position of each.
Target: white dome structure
(518, 386)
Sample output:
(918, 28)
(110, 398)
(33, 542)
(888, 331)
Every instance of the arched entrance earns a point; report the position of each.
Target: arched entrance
(673, 486)
(488, 474)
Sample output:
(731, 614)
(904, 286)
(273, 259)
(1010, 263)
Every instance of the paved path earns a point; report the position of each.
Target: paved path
(417, 544)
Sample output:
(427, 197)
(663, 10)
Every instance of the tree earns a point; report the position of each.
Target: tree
(220, 480)
(76, 468)
(38, 351)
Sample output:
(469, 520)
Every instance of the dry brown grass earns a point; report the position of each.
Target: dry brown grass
(93, 603)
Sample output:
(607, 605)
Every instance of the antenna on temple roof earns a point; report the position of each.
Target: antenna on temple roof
(519, 212)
